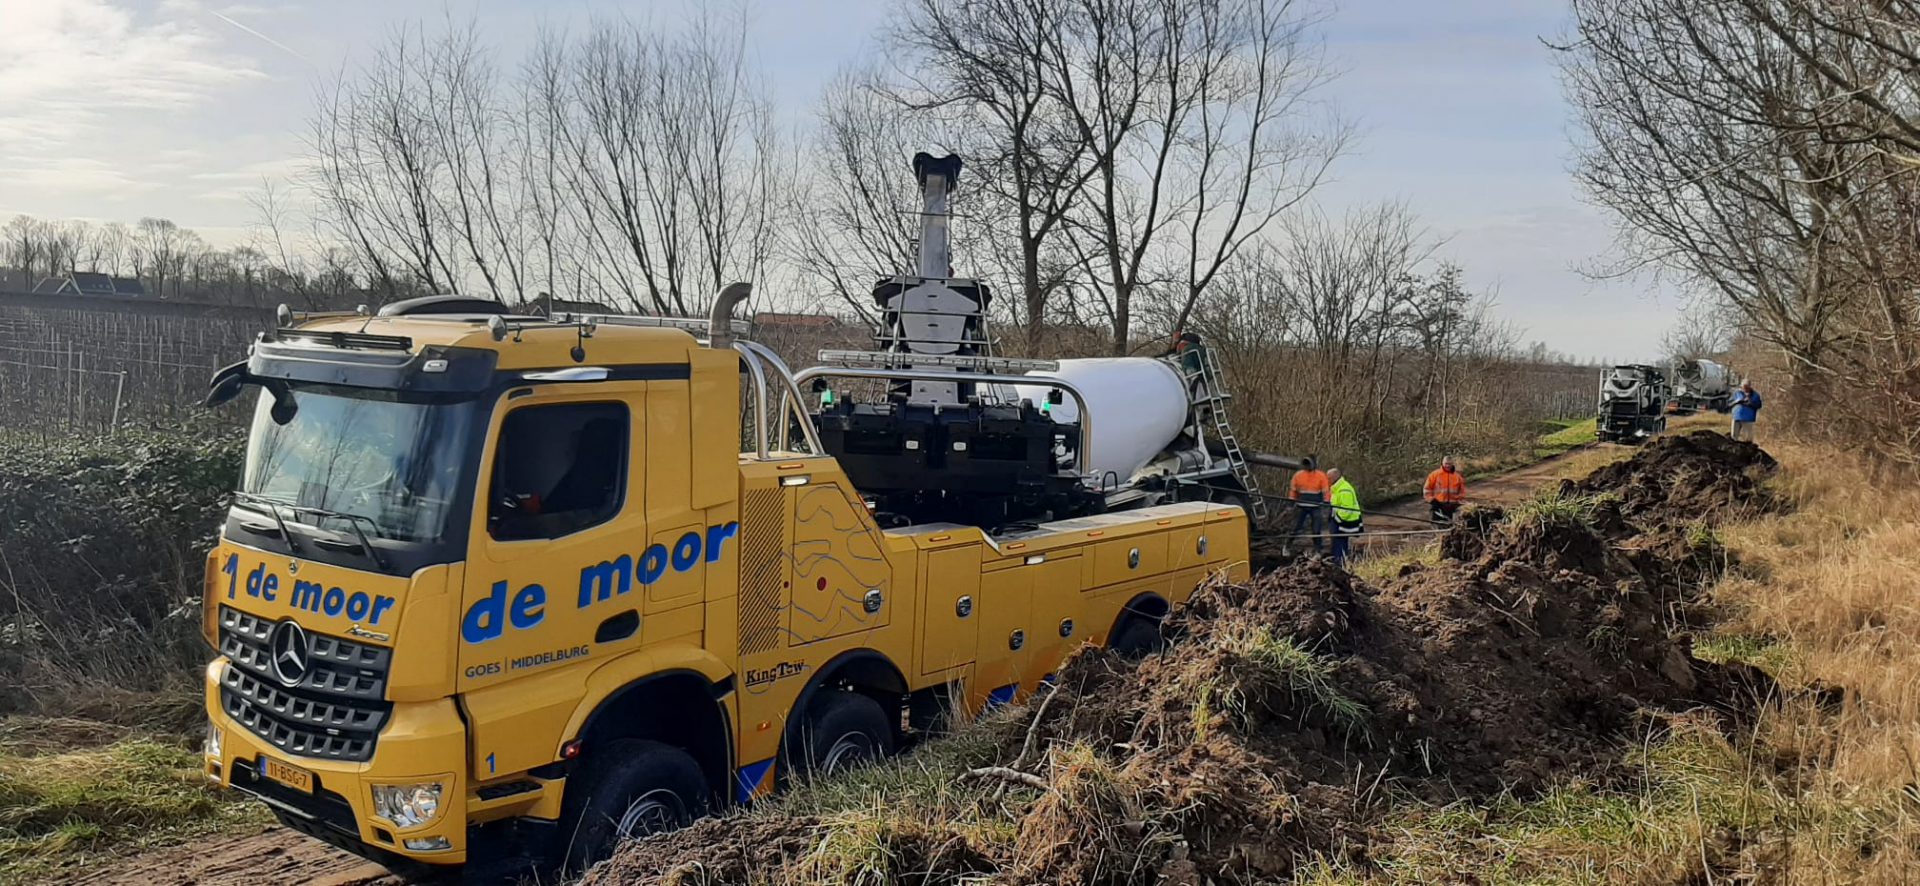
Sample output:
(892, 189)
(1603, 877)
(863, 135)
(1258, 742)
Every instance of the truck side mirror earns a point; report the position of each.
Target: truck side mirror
(284, 407)
(226, 384)
(231, 380)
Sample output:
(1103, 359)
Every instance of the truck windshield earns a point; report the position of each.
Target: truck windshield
(389, 465)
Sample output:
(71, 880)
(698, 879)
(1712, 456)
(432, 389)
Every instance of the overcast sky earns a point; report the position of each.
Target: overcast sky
(117, 109)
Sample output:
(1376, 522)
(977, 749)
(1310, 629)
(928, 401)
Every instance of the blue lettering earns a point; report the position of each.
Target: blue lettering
(232, 569)
(306, 595)
(486, 621)
(334, 601)
(653, 564)
(602, 582)
(254, 578)
(717, 536)
(268, 586)
(358, 604)
(529, 606)
(686, 552)
(380, 607)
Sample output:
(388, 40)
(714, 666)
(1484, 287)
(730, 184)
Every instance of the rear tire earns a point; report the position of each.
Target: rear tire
(1138, 637)
(628, 788)
(842, 730)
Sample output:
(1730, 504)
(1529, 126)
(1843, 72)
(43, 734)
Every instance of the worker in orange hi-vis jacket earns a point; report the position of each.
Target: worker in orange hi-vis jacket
(1309, 494)
(1446, 490)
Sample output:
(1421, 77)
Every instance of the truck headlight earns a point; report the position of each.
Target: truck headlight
(407, 805)
(211, 746)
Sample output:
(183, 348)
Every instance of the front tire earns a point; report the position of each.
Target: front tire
(842, 730)
(629, 788)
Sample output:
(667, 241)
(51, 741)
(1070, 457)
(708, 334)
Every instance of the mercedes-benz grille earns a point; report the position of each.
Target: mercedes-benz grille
(334, 706)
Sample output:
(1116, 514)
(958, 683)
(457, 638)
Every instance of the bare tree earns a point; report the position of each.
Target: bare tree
(161, 249)
(655, 151)
(857, 224)
(376, 169)
(24, 250)
(471, 135)
(1765, 151)
(1701, 333)
(980, 69)
(270, 238)
(111, 249)
(1151, 141)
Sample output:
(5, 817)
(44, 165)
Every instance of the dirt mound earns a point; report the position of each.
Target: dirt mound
(1291, 706)
(1702, 476)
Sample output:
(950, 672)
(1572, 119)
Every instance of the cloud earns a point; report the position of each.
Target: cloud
(79, 71)
(72, 175)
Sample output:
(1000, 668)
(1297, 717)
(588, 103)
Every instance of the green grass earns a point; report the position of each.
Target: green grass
(1277, 660)
(1549, 508)
(1377, 569)
(1572, 433)
(60, 808)
(1765, 653)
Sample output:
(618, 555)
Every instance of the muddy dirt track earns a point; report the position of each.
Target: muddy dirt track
(272, 855)
(275, 855)
(1401, 523)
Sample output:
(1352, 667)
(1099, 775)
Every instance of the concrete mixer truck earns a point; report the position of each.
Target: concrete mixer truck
(1700, 384)
(958, 433)
(502, 590)
(1633, 400)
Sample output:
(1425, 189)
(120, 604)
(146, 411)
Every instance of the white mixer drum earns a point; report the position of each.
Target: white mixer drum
(1139, 405)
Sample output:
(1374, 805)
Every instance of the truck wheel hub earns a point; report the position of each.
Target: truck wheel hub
(849, 751)
(651, 813)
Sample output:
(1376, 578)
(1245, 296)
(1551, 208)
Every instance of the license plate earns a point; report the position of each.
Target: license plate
(287, 774)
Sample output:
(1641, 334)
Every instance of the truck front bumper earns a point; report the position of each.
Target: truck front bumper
(423, 742)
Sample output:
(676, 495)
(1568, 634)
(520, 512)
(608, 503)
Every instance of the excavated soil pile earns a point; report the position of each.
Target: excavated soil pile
(1289, 707)
(1677, 479)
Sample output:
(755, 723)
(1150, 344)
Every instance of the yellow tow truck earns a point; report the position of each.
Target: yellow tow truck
(502, 589)
(516, 574)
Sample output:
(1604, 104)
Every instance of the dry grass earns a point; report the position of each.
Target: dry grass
(1835, 583)
(1821, 597)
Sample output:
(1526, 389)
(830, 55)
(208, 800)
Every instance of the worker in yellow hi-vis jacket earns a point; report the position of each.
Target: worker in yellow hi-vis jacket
(1345, 501)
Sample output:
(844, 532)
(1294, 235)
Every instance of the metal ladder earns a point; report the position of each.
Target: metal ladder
(1214, 404)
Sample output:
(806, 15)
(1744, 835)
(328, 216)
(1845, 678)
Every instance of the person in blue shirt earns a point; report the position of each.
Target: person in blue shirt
(1746, 408)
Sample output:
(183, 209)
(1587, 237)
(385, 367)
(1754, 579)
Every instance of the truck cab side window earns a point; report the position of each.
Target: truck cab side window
(558, 469)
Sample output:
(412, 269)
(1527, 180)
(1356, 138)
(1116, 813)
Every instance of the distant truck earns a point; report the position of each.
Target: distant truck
(1700, 384)
(1633, 399)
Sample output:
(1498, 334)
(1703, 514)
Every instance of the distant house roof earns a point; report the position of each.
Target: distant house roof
(795, 321)
(91, 283)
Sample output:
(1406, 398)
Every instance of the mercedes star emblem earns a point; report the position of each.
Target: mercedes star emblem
(287, 652)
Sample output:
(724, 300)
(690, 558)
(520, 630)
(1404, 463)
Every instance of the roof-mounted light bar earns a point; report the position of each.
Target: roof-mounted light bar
(973, 363)
(690, 324)
(345, 339)
(285, 316)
